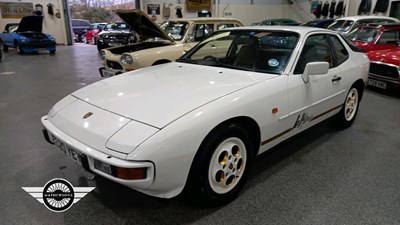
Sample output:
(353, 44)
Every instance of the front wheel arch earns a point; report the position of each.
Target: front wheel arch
(249, 130)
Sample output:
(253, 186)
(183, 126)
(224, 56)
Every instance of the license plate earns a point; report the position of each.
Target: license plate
(107, 73)
(377, 84)
(102, 166)
(68, 150)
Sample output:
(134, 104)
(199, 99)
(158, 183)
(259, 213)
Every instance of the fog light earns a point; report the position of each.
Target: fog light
(131, 173)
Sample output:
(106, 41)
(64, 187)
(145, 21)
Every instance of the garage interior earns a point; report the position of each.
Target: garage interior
(322, 176)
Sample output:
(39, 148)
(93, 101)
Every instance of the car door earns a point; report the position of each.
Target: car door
(312, 100)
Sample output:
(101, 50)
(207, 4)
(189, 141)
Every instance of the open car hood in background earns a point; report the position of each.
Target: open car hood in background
(142, 24)
(30, 23)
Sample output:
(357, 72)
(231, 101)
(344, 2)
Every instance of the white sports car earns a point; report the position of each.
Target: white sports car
(196, 125)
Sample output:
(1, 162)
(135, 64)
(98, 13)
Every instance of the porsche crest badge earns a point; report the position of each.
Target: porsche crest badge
(87, 115)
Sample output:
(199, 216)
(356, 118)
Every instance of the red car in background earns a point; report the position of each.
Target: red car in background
(384, 71)
(372, 37)
(93, 31)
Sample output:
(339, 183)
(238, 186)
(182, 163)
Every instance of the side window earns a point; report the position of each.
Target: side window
(341, 53)
(389, 37)
(315, 49)
(201, 31)
(221, 26)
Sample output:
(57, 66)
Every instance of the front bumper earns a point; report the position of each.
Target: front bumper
(106, 72)
(91, 155)
(35, 45)
(390, 83)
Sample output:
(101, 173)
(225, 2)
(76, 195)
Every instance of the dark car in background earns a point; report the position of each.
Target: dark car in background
(277, 21)
(79, 27)
(115, 34)
(321, 23)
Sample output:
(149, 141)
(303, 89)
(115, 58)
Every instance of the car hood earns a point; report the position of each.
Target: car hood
(386, 56)
(142, 24)
(30, 23)
(160, 94)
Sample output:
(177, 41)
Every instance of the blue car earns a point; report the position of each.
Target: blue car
(27, 36)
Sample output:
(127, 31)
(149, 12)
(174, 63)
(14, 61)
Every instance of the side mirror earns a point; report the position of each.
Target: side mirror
(314, 68)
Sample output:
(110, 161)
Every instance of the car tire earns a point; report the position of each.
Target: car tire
(52, 52)
(99, 47)
(18, 47)
(348, 112)
(5, 47)
(83, 38)
(221, 166)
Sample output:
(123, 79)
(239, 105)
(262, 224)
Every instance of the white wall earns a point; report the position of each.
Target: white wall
(51, 24)
(250, 11)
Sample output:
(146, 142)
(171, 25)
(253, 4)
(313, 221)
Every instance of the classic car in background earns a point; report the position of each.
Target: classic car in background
(372, 37)
(93, 32)
(115, 34)
(27, 36)
(321, 23)
(196, 125)
(276, 21)
(157, 44)
(384, 71)
(79, 28)
(345, 24)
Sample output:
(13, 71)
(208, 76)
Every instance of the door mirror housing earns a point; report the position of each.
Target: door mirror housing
(315, 68)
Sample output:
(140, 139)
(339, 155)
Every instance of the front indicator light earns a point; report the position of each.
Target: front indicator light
(131, 173)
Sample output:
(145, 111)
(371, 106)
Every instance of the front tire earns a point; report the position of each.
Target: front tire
(19, 48)
(348, 113)
(220, 168)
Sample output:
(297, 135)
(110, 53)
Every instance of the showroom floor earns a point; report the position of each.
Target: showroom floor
(324, 176)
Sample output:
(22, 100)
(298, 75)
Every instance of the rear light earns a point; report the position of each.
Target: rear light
(131, 173)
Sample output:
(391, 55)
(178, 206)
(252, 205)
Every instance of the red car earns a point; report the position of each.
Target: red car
(384, 71)
(372, 37)
(93, 31)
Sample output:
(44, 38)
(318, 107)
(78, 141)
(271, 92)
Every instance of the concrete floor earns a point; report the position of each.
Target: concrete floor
(324, 176)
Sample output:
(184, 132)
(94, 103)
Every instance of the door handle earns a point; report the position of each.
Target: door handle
(336, 78)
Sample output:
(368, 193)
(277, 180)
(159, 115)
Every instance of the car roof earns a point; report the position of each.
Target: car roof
(380, 25)
(205, 19)
(298, 29)
(365, 17)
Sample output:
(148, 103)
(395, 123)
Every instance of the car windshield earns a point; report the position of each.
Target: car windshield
(12, 28)
(250, 50)
(116, 27)
(176, 30)
(364, 34)
(341, 25)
